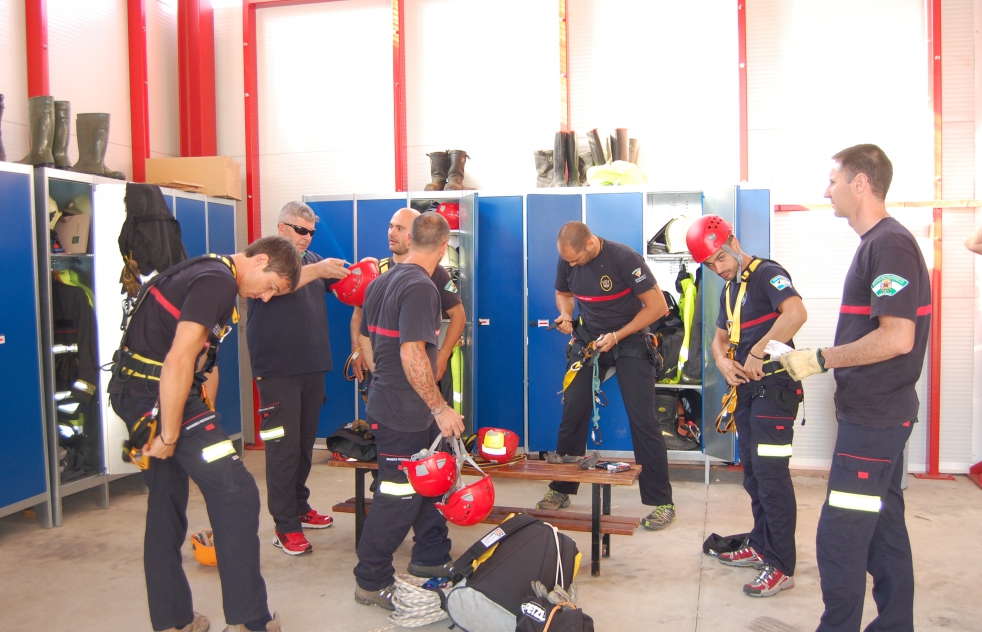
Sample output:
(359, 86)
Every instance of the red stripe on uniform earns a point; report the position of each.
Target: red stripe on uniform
(757, 321)
(390, 333)
(173, 311)
(924, 311)
(855, 309)
(597, 299)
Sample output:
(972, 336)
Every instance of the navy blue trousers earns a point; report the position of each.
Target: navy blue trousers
(862, 530)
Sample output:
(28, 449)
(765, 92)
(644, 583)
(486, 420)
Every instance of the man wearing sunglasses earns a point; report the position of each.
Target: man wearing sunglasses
(290, 350)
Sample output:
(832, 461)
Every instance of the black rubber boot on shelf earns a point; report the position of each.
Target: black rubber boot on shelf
(572, 161)
(559, 160)
(3, 154)
(439, 164)
(63, 124)
(41, 125)
(596, 147)
(455, 175)
(93, 140)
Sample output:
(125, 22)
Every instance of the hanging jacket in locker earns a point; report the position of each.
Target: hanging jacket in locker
(74, 324)
(151, 235)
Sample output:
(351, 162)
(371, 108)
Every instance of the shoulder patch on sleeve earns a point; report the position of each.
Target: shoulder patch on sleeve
(639, 275)
(781, 282)
(888, 284)
(450, 287)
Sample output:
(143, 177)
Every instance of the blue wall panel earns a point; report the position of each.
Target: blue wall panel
(169, 201)
(191, 215)
(753, 227)
(335, 238)
(221, 240)
(221, 228)
(22, 455)
(500, 350)
(546, 349)
(373, 226)
(617, 217)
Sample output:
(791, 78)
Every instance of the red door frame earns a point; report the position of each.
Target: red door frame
(36, 27)
(742, 60)
(196, 77)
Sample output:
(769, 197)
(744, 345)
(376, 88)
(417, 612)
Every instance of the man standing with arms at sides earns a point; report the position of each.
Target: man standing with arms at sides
(880, 340)
(406, 412)
(618, 298)
(450, 304)
(290, 350)
(758, 304)
(168, 353)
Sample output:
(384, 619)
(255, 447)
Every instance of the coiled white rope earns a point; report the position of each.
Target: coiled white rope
(415, 606)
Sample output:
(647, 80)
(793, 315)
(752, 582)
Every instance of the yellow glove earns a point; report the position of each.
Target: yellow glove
(801, 363)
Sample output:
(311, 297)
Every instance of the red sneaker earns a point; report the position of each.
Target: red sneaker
(769, 581)
(292, 543)
(747, 556)
(314, 520)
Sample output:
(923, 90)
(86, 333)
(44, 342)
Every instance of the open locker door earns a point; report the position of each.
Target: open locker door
(467, 252)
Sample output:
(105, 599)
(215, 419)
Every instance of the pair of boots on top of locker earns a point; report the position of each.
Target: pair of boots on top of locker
(50, 126)
(447, 170)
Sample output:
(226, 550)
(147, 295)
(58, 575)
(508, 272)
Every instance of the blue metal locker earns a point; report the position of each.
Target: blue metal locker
(500, 321)
(753, 221)
(335, 238)
(194, 225)
(221, 240)
(545, 214)
(23, 461)
(373, 225)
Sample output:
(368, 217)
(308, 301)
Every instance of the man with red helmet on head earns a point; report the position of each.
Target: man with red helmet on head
(757, 305)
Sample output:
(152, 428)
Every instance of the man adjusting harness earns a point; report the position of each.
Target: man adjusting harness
(618, 299)
(757, 305)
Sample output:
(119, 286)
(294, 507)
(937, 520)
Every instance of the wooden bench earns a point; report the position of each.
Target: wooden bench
(599, 522)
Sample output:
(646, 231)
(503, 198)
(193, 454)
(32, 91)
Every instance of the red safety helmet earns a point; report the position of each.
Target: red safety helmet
(469, 505)
(431, 472)
(496, 445)
(451, 213)
(351, 289)
(707, 235)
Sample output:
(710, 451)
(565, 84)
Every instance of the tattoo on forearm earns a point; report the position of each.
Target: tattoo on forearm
(420, 375)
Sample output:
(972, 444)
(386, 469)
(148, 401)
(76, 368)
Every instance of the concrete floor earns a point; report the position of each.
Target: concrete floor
(88, 574)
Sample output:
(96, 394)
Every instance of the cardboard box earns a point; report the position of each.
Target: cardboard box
(219, 175)
(73, 233)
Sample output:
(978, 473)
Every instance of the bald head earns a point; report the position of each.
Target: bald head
(429, 233)
(577, 245)
(399, 230)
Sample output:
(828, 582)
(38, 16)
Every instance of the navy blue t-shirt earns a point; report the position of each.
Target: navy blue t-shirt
(402, 305)
(888, 277)
(288, 335)
(768, 286)
(607, 288)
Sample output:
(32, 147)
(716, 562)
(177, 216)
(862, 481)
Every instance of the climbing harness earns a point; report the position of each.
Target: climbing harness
(349, 375)
(587, 353)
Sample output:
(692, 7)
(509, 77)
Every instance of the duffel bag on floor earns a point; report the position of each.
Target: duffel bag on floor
(539, 615)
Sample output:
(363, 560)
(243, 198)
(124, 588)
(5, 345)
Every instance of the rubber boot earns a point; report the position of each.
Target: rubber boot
(439, 164)
(93, 140)
(559, 160)
(3, 154)
(455, 175)
(63, 123)
(543, 168)
(572, 161)
(41, 121)
(596, 147)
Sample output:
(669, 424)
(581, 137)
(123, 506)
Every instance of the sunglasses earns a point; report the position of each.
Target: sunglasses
(301, 230)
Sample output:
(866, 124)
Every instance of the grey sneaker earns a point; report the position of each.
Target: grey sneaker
(659, 518)
(273, 626)
(553, 500)
(199, 624)
(442, 570)
(381, 598)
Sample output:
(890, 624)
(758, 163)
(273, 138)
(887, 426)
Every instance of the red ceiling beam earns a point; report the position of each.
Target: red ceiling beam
(36, 24)
(742, 59)
(136, 19)
(196, 77)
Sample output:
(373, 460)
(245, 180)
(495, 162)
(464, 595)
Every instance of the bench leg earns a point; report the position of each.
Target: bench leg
(595, 549)
(359, 503)
(605, 547)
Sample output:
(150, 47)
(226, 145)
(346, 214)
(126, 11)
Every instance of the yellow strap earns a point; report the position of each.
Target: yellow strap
(733, 314)
(145, 360)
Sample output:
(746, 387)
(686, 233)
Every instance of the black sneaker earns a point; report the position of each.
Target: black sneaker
(381, 598)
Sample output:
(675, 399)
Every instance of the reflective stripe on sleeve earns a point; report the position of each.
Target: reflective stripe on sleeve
(217, 451)
(857, 502)
(769, 449)
(396, 489)
(272, 433)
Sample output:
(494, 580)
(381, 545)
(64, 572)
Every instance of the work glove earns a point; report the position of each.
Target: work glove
(802, 363)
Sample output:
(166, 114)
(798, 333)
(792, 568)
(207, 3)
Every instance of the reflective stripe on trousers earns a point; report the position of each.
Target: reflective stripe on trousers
(396, 489)
(857, 502)
(217, 451)
(272, 433)
(770, 449)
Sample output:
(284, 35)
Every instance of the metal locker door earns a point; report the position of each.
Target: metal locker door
(467, 260)
(194, 225)
(546, 360)
(335, 237)
(221, 240)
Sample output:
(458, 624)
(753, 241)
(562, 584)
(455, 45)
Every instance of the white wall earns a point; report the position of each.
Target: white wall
(13, 79)
(162, 77)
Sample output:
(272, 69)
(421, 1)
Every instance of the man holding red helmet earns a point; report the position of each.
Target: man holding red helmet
(758, 304)
(398, 334)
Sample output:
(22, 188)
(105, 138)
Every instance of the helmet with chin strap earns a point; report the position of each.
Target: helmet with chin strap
(706, 235)
(351, 289)
(467, 505)
(431, 472)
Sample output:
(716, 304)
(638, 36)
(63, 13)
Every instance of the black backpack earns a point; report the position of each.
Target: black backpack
(539, 615)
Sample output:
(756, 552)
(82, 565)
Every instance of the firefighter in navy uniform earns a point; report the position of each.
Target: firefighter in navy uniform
(757, 305)
(290, 351)
(618, 298)
(163, 369)
(880, 341)
(407, 413)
